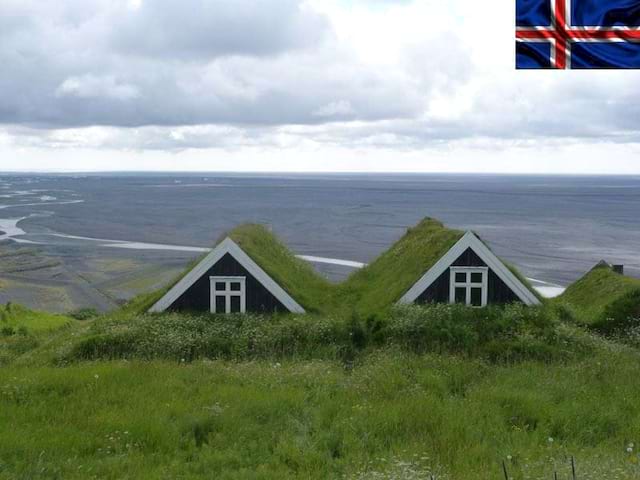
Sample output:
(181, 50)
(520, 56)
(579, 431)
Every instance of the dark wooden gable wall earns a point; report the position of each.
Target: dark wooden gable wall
(197, 298)
(498, 291)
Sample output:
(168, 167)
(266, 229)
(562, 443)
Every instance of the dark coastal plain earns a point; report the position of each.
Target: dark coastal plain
(73, 241)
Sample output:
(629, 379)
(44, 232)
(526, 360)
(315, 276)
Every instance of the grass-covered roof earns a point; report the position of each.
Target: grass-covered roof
(597, 289)
(382, 283)
(295, 276)
(371, 290)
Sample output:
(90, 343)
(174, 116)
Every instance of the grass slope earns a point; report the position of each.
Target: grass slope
(421, 390)
(590, 296)
(296, 276)
(367, 292)
(23, 331)
(394, 416)
(379, 285)
(18, 317)
(439, 389)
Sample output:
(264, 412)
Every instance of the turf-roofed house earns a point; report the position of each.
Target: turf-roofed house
(469, 273)
(228, 280)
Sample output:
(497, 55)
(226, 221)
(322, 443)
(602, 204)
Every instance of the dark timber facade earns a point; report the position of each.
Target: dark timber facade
(227, 280)
(497, 291)
(469, 273)
(197, 298)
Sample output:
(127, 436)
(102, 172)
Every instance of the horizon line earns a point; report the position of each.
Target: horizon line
(311, 172)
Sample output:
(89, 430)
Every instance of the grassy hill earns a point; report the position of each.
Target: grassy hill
(371, 392)
(380, 284)
(16, 317)
(594, 295)
(296, 276)
(370, 291)
(451, 392)
(23, 330)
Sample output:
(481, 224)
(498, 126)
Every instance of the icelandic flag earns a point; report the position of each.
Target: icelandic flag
(582, 34)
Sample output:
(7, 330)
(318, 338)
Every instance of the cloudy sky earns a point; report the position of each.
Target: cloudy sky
(297, 85)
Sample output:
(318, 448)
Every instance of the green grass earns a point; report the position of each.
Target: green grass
(594, 292)
(368, 292)
(375, 288)
(372, 392)
(18, 317)
(296, 276)
(436, 389)
(497, 334)
(394, 415)
(22, 330)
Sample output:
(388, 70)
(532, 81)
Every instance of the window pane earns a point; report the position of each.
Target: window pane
(476, 297)
(461, 277)
(221, 286)
(461, 295)
(476, 277)
(235, 304)
(235, 286)
(221, 306)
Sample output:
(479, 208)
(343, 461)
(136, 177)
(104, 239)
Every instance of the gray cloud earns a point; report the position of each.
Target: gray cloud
(202, 29)
(187, 63)
(224, 73)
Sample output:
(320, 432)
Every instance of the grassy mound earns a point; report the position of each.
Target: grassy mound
(393, 416)
(380, 285)
(23, 330)
(296, 276)
(591, 296)
(496, 334)
(367, 292)
(621, 317)
(16, 317)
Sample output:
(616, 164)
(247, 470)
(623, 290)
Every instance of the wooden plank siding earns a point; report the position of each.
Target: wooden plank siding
(197, 297)
(498, 291)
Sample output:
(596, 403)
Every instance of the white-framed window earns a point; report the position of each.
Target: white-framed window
(468, 285)
(228, 294)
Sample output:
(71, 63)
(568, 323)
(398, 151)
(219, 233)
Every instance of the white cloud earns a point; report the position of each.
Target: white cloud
(340, 108)
(92, 86)
(311, 78)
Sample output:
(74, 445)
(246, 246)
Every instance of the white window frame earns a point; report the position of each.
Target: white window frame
(228, 293)
(468, 284)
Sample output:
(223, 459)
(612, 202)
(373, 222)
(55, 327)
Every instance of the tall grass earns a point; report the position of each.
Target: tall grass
(443, 390)
(590, 296)
(393, 415)
(511, 333)
(23, 330)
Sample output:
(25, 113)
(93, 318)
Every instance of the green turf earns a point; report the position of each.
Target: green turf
(295, 276)
(370, 291)
(422, 390)
(375, 288)
(591, 294)
(393, 416)
(24, 331)
(17, 317)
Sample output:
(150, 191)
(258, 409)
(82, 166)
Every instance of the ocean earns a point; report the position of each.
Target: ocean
(554, 228)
